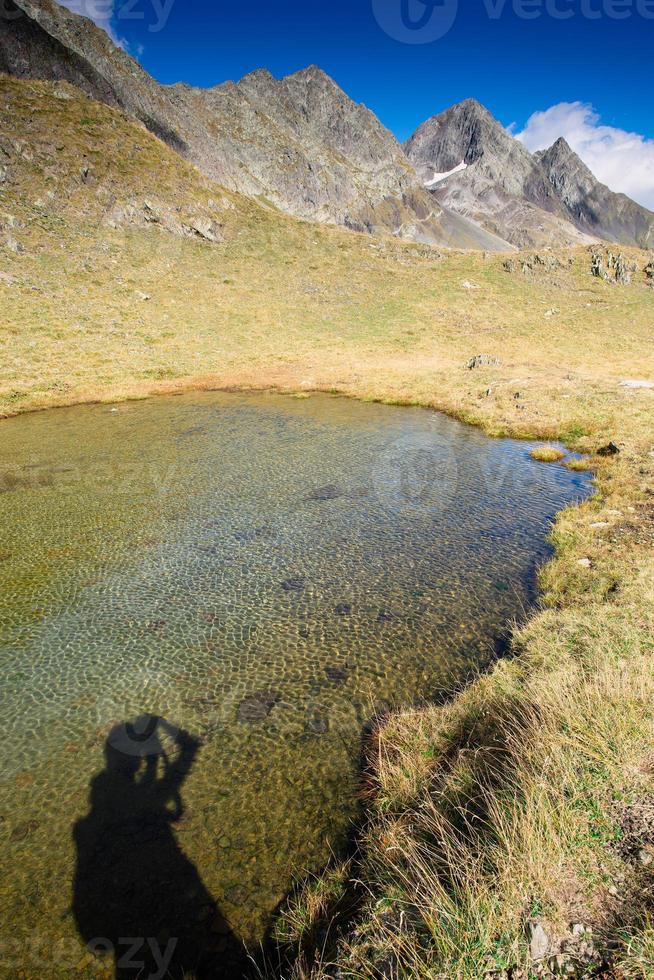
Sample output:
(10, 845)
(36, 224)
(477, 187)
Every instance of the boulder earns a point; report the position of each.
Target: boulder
(204, 228)
(483, 360)
(609, 450)
(539, 944)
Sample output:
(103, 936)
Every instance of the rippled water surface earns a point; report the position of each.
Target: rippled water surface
(262, 572)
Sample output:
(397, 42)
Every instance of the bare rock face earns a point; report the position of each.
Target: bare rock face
(298, 143)
(302, 144)
(591, 205)
(473, 166)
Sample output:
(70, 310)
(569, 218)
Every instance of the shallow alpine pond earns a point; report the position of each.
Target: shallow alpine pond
(261, 574)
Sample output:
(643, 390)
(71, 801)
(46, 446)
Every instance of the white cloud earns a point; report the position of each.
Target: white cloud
(624, 161)
(101, 12)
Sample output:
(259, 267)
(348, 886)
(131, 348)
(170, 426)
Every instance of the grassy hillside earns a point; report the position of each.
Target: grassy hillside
(277, 301)
(525, 807)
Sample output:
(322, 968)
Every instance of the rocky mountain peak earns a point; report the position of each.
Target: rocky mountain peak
(592, 205)
(470, 113)
(560, 160)
(258, 75)
(473, 165)
(312, 73)
(465, 133)
(560, 146)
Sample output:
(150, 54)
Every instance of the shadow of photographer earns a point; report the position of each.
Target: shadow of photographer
(136, 895)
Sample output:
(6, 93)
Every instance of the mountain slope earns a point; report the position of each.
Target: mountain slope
(473, 166)
(298, 142)
(591, 205)
(125, 270)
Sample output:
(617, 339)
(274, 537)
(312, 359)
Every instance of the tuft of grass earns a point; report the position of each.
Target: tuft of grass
(578, 465)
(635, 954)
(547, 454)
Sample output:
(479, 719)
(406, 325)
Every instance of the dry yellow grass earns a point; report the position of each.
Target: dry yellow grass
(507, 806)
(547, 454)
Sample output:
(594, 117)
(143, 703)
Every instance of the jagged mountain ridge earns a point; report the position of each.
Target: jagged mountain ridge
(592, 205)
(299, 143)
(475, 167)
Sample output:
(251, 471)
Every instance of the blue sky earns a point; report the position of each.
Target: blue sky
(514, 66)
(516, 56)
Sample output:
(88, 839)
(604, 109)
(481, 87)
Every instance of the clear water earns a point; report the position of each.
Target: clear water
(263, 573)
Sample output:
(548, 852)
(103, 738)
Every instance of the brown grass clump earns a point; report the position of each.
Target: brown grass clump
(578, 465)
(547, 454)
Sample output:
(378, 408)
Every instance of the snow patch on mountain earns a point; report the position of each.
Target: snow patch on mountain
(437, 178)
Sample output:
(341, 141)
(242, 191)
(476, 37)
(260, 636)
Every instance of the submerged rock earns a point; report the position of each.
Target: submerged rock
(258, 706)
(329, 492)
(23, 830)
(383, 616)
(317, 725)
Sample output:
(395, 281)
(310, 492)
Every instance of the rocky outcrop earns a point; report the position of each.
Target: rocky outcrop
(612, 268)
(298, 143)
